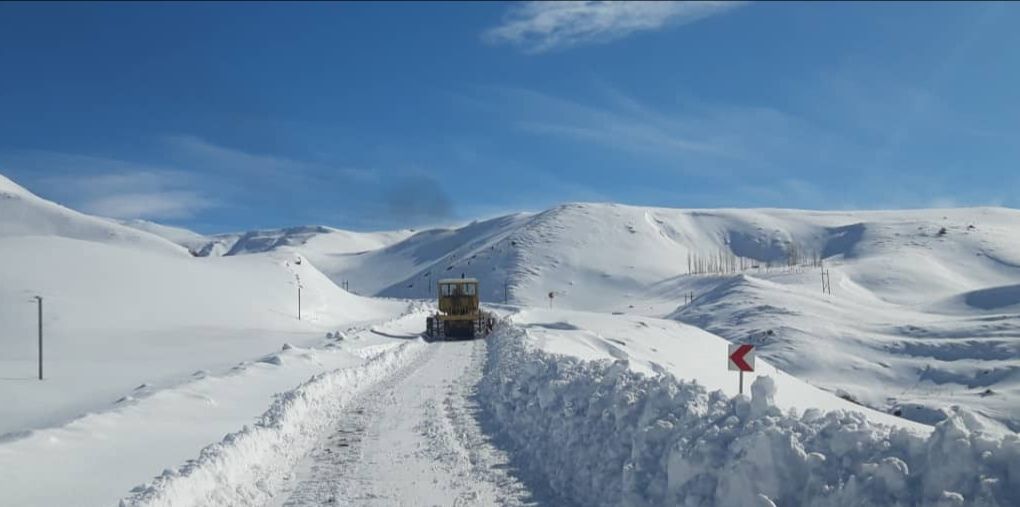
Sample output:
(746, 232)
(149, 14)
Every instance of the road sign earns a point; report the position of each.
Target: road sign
(741, 357)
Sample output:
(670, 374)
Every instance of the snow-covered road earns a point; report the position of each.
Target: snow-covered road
(412, 439)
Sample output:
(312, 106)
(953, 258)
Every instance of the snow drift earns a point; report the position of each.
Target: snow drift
(245, 467)
(598, 433)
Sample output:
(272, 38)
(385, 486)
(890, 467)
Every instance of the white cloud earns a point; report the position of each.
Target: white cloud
(227, 158)
(279, 170)
(192, 175)
(634, 128)
(543, 26)
(149, 205)
(113, 187)
(137, 192)
(693, 138)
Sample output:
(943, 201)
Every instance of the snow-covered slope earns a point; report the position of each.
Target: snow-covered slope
(409, 268)
(25, 214)
(922, 315)
(594, 255)
(150, 353)
(125, 307)
(191, 240)
(923, 310)
(655, 346)
(315, 241)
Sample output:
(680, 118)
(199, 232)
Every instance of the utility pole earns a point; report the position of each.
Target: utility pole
(39, 301)
(298, 277)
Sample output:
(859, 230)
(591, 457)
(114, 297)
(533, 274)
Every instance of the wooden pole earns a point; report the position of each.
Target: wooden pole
(39, 300)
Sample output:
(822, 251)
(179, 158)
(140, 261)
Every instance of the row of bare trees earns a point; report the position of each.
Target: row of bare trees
(724, 262)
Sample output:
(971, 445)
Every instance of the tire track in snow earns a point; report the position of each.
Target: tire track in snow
(413, 439)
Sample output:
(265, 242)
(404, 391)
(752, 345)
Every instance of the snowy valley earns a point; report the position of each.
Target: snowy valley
(178, 372)
(940, 289)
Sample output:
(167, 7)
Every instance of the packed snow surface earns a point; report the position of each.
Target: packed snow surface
(412, 439)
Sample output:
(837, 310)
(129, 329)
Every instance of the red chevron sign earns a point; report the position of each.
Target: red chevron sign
(741, 357)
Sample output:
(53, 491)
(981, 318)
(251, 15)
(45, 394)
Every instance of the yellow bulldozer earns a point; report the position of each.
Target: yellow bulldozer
(459, 316)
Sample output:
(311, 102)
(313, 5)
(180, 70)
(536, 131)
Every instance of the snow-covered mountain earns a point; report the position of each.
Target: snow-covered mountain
(314, 238)
(161, 340)
(594, 256)
(191, 240)
(922, 312)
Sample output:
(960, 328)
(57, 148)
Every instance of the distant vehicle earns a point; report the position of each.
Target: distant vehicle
(459, 316)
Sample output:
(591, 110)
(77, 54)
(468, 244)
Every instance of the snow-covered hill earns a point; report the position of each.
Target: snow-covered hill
(595, 255)
(160, 340)
(314, 239)
(922, 315)
(24, 214)
(125, 307)
(151, 353)
(191, 240)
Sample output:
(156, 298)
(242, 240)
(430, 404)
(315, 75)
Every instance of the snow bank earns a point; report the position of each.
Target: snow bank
(245, 467)
(601, 434)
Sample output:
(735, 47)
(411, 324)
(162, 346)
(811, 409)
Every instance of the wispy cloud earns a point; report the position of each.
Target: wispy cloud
(153, 205)
(631, 126)
(125, 190)
(694, 138)
(113, 187)
(195, 150)
(193, 179)
(537, 27)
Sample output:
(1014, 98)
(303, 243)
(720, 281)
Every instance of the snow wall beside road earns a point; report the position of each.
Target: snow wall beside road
(598, 433)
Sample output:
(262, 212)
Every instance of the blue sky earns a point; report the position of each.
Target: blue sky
(230, 116)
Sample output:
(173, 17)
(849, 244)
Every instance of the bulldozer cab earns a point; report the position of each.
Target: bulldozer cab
(459, 316)
(458, 296)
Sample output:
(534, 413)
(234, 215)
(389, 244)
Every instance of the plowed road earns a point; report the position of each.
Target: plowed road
(413, 439)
